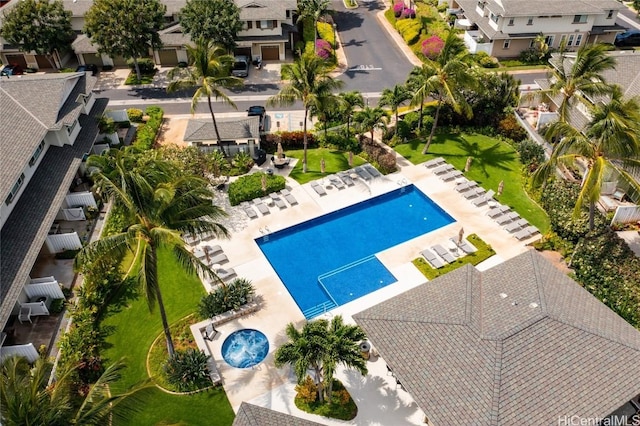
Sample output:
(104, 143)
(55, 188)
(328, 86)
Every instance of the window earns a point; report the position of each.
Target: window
(610, 14)
(579, 19)
(548, 40)
(267, 24)
(70, 128)
(578, 40)
(530, 20)
(15, 189)
(494, 18)
(288, 14)
(36, 154)
(247, 25)
(563, 40)
(481, 5)
(511, 21)
(506, 44)
(570, 40)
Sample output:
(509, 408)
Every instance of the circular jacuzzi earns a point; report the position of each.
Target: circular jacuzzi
(245, 348)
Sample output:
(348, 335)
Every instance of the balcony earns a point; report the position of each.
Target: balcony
(476, 42)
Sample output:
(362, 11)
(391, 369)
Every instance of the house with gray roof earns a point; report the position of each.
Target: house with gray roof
(254, 415)
(236, 134)
(504, 28)
(520, 343)
(49, 123)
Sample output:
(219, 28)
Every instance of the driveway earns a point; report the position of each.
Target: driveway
(374, 60)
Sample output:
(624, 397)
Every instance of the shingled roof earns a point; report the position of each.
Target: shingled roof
(253, 415)
(230, 128)
(520, 340)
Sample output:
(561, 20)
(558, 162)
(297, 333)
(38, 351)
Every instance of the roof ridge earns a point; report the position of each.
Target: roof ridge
(469, 289)
(539, 282)
(24, 108)
(593, 333)
(497, 381)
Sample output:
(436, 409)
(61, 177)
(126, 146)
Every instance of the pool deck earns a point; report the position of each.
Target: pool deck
(379, 401)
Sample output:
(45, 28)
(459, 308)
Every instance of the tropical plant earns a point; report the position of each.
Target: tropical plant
(609, 142)
(325, 108)
(215, 20)
(41, 26)
(432, 46)
(116, 27)
(348, 103)
(579, 76)
(370, 119)
(394, 98)
(314, 10)
(416, 84)
(210, 72)
(187, 369)
(162, 204)
(445, 77)
(224, 298)
(26, 398)
(307, 80)
(321, 346)
(494, 97)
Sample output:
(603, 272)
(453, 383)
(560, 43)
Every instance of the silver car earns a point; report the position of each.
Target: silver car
(240, 66)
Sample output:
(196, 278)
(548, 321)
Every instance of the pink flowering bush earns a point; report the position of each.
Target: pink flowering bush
(432, 47)
(323, 49)
(409, 13)
(398, 7)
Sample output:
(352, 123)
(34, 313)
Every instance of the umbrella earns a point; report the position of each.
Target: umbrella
(263, 181)
(460, 236)
(350, 158)
(280, 152)
(500, 187)
(468, 165)
(322, 165)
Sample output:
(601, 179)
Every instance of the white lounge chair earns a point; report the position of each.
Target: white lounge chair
(435, 162)
(451, 175)
(262, 207)
(464, 245)
(372, 170)
(443, 169)
(517, 225)
(527, 232)
(346, 178)
(507, 217)
(433, 260)
(289, 197)
(219, 259)
(335, 181)
(318, 188)
(465, 186)
(473, 192)
(498, 210)
(443, 253)
(484, 199)
(225, 274)
(251, 213)
(278, 201)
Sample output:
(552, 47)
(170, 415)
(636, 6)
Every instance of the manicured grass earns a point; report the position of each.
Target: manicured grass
(132, 79)
(335, 161)
(493, 161)
(135, 328)
(484, 252)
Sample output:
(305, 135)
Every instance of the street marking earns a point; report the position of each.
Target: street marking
(364, 68)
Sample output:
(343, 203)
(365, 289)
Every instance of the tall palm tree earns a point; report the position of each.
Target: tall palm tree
(325, 108)
(342, 347)
(314, 10)
(609, 142)
(578, 75)
(447, 75)
(307, 80)
(26, 398)
(161, 204)
(349, 102)
(210, 72)
(370, 119)
(417, 85)
(393, 98)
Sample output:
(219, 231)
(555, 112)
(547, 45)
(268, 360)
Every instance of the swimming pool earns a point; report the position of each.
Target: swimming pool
(329, 261)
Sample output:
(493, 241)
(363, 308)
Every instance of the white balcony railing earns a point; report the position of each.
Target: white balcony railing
(476, 42)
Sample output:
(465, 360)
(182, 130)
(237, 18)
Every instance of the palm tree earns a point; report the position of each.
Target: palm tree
(447, 75)
(610, 141)
(161, 204)
(210, 72)
(27, 399)
(579, 76)
(417, 86)
(325, 108)
(342, 347)
(307, 80)
(394, 98)
(349, 101)
(313, 9)
(371, 119)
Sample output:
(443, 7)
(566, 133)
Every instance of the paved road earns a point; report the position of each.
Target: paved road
(628, 19)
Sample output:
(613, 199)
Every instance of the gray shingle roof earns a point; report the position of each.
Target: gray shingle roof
(471, 356)
(26, 117)
(230, 128)
(27, 227)
(550, 7)
(253, 415)
(265, 9)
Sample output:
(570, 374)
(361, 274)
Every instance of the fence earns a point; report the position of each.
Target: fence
(28, 351)
(50, 289)
(626, 214)
(58, 243)
(78, 199)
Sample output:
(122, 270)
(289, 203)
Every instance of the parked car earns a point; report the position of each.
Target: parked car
(88, 67)
(258, 111)
(12, 69)
(240, 66)
(628, 38)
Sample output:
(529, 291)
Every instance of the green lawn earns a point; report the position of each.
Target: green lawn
(135, 328)
(335, 161)
(493, 161)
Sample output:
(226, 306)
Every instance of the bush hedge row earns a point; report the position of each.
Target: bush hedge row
(376, 154)
(289, 140)
(146, 134)
(224, 298)
(248, 187)
(326, 32)
(409, 29)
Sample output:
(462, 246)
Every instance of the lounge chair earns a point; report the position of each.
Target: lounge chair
(212, 250)
(199, 253)
(465, 186)
(464, 245)
(225, 274)
(498, 210)
(278, 201)
(443, 253)
(527, 232)
(372, 170)
(210, 332)
(484, 199)
(433, 260)
(443, 169)
(251, 213)
(451, 175)
(516, 225)
(360, 171)
(288, 197)
(507, 217)
(318, 188)
(335, 181)
(435, 162)
(473, 192)
(346, 178)
(219, 259)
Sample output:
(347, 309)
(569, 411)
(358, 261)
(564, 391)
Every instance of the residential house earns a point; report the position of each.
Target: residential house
(254, 415)
(237, 134)
(520, 343)
(505, 28)
(49, 123)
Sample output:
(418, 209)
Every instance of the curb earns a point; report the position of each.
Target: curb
(395, 36)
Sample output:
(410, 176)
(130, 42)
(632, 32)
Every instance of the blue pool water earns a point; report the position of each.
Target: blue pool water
(328, 261)
(245, 348)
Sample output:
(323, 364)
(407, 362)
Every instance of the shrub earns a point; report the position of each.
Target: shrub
(243, 161)
(135, 115)
(488, 62)
(387, 163)
(326, 32)
(509, 127)
(409, 29)
(146, 134)
(146, 65)
(531, 154)
(224, 298)
(323, 49)
(106, 125)
(289, 140)
(307, 391)
(248, 187)
(409, 13)
(187, 370)
(432, 47)
(398, 7)
(443, 7)
(380, 156)
(57, 305)
(67, 254)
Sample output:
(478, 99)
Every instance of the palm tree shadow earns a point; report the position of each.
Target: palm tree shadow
(492, 156)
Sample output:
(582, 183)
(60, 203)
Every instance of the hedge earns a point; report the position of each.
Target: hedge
(248, 187)
(409, 29)
(146, 134)
(326, 32)
(289, 140)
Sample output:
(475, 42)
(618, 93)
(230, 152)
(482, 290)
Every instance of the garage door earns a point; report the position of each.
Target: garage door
(17, 59)
(90, 58)
(270, 53)
(168, 57)
(43, 62)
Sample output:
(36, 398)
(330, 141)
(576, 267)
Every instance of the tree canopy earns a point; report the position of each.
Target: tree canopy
(214, 20)
(38, 25)
(127, 28)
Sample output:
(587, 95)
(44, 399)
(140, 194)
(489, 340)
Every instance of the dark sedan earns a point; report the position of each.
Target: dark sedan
(628, 38)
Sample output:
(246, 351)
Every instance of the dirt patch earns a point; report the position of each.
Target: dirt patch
(557, 260)
(172, 132)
